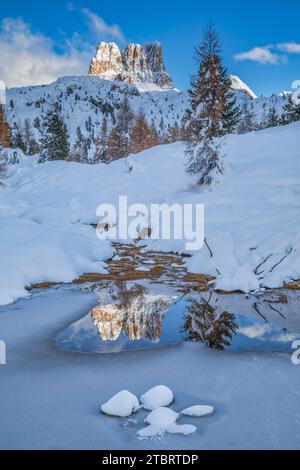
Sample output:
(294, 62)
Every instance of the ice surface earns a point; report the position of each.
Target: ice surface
(50, 399)
(157, 397)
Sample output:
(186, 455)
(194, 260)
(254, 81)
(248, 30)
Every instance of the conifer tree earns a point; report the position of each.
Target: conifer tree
(119, 141)
(5, 140)
(231, 112)
(247, 123)
(31, 147)
(102, 154)
(55, 144)
(17, 140)
(142, 135)
(207, 99)
(291, 111)
(272, 118)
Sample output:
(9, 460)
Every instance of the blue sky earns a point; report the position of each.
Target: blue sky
(261, 39)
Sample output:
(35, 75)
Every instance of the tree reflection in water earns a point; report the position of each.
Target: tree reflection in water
(204, 322)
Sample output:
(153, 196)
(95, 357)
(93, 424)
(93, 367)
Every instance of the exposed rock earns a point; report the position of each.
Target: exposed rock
(238, 85)
(136, 64)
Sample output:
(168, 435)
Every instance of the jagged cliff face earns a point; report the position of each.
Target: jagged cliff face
(139, 65)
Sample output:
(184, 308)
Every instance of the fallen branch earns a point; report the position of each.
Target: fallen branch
(259, 313)
(210, 252)
(276, 310)
(275, 265)
(260, 264)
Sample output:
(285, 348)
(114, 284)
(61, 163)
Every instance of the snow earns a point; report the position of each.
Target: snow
(156, 432)
(156, 397)
(238, 84)
(163, 420)
(198, 410)
(184, 429)
(86, 97)
(162, 417)
(122, 404)
(47, 209)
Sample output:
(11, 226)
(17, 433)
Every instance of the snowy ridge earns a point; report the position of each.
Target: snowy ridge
(238, 84)
(86, 100)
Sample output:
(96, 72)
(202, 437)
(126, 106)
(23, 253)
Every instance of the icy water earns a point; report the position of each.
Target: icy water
(133, 316)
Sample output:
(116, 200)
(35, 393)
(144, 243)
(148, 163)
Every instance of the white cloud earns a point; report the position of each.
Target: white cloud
(101, 28)
(262, 55)
(291, 47)
(30, 58)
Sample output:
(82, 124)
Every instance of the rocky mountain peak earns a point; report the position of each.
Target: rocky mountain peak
(140, 65)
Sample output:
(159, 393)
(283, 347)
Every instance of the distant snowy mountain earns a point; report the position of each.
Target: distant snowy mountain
(137, 73)
(238, 85)
(139, 65)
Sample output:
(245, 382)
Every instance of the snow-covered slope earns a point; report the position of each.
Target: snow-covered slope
(86, 100)
(253, 214)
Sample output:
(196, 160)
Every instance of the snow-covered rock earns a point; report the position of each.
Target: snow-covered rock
(122, 404)
(162, 417)
(198, 410)
(157, 397)
(239, 85)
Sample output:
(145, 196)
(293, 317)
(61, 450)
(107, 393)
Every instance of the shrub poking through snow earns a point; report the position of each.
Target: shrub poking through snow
(157, 397)
(123, 404)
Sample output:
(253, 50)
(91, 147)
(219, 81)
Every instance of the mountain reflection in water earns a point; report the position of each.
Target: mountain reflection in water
(127, 317)
(130, 317)
(141, 318)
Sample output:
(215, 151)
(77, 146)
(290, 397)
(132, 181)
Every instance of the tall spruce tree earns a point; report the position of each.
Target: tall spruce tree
(208, 96)
(55, 145)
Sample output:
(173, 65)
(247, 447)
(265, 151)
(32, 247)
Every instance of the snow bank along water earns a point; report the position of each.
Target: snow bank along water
(252, 218)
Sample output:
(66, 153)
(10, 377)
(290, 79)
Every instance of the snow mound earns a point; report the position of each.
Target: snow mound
(198, 410)
(157, 397)
(154, 431)
(162, 417)
(182, 429)
(123, 404)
